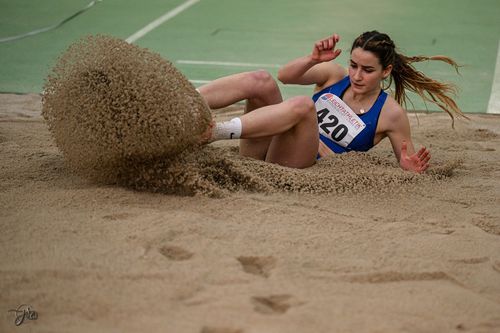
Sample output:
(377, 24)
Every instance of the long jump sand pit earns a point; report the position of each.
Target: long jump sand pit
(351, 245)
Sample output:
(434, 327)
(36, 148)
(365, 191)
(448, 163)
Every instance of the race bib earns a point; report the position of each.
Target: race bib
(336, 120)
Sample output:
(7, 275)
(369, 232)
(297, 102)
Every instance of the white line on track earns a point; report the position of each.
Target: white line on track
(201, 82)
(494, 104)
(162, 19)
(226, 63)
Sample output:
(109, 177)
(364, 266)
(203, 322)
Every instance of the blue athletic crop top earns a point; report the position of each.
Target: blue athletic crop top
(364, 140)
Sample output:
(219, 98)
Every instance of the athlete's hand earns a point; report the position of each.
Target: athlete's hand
(418, 162)
(324, 50)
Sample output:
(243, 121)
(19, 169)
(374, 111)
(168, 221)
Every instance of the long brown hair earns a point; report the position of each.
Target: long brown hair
(406, 77)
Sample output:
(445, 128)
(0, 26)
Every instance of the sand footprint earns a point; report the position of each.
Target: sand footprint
(175, 253)
(391, 276)
(117, 216)
(274, 304)
(206, 329)
(483, 133)
(261, 266)
(496, 266)
(478, 260)
(488, 226)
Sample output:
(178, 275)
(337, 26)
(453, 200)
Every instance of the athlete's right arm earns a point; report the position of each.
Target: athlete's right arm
(315, 68)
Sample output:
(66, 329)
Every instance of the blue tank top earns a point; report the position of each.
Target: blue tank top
(364, 140)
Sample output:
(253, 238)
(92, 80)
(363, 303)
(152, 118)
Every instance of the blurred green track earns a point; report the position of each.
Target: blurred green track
(213, 38)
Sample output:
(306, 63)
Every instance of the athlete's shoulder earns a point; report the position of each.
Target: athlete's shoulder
(392, 114)
(392, 107)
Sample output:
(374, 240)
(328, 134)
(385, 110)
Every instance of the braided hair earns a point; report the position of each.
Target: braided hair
(406, 77)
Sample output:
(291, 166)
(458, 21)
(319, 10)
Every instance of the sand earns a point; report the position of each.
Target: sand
(385, 251)
(110, 104)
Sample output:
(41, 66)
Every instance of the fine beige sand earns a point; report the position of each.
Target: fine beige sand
(383, 251)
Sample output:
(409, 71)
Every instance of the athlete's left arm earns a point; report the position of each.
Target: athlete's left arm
(399, 134)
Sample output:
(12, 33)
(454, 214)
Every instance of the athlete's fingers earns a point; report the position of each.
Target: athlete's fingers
(427, 158)
(421, 152)
(330, 43)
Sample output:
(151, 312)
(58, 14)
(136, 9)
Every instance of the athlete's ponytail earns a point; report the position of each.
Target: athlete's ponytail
(406, 77)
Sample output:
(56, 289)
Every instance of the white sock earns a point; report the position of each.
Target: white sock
(227, 130)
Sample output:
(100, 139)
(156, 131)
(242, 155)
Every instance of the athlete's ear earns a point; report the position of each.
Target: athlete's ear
(386, 72)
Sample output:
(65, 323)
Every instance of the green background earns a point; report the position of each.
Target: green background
(260, 31)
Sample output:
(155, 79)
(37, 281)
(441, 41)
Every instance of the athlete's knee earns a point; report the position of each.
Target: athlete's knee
(261, 77)
(303, 106)
(262, 80)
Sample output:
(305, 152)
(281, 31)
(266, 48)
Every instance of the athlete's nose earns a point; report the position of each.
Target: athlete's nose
(357, 75)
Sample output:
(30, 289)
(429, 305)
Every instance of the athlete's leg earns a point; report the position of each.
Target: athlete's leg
(293, 127)
(258, 89)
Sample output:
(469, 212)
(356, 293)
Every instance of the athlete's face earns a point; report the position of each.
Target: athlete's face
(365, 71)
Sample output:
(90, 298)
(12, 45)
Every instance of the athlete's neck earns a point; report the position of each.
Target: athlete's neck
(368, 96)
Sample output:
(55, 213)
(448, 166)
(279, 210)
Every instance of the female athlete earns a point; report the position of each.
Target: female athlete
(349, 111)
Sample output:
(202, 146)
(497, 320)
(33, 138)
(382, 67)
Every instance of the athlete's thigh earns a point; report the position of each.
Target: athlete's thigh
(297, 147)
(250, 86)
